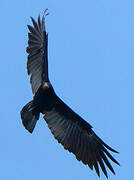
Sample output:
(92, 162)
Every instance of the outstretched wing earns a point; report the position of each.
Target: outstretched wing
(77, 136)
(37, 63)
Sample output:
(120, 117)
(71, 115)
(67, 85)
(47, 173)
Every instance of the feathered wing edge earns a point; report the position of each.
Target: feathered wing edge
(37, 63)
(81, 141)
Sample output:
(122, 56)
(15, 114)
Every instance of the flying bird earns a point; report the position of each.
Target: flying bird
(68, 128)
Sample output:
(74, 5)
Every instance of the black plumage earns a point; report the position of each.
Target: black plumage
(73, 132)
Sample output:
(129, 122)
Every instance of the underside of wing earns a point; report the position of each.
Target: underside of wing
(37, 63)
(77, 136)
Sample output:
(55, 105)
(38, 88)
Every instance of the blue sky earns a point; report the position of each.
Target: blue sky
(91, 66)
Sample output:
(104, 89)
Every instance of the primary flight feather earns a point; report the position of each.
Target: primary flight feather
(72, 131)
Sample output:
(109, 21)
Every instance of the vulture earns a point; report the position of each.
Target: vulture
(69, 129)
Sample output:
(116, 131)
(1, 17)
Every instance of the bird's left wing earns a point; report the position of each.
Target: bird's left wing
(77, 136)
(37, 63)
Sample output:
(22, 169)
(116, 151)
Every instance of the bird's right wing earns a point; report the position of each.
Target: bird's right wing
(37, 63)
(77, 136)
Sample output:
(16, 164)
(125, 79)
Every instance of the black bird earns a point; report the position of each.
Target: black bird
(72, 131)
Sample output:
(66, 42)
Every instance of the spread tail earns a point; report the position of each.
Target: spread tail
(28, 118)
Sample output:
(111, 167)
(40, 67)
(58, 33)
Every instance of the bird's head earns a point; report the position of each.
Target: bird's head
(46, 85)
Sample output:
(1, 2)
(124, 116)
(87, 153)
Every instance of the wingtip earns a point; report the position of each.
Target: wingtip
(105, 173)
(98, 173)
(29, 27)
(108, 147)
(31, 18)
(118, 163)
(46, 13)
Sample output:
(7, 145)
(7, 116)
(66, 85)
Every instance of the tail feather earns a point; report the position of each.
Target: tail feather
(28, 118)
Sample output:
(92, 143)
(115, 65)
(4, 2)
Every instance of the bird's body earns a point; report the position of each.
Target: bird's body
(44, 99)
(72, 131)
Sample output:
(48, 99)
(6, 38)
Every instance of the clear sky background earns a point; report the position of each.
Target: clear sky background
(91, 65)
